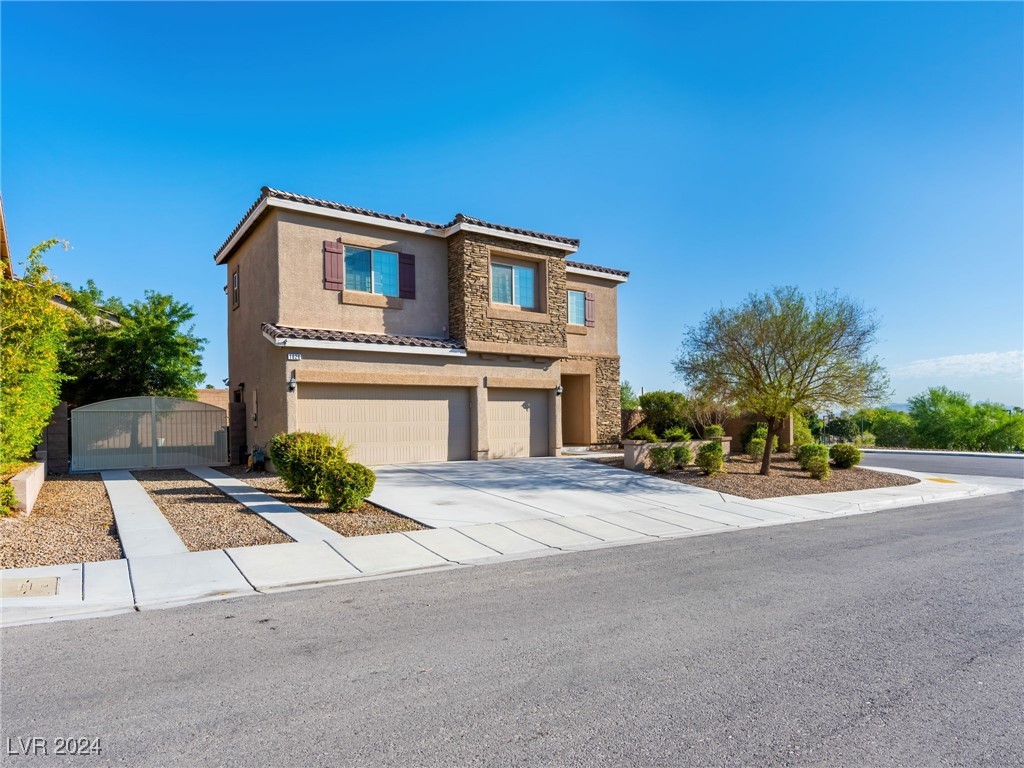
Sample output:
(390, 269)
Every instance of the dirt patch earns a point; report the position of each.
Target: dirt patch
(365, 521)
(743, 478)
(204, 517)
(72, 522)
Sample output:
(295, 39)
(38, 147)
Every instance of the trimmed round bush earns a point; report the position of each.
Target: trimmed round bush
(645, 433)
(818, 467)
(711, 459)
(676, 435)
(755, 448)
(302, 459)
(346, 485)
(662, 459)
(714, 430)
(682, 456)
(845, 455)
(807, 452)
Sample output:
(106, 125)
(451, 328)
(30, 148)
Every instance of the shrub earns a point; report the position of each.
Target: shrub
(755, 448)
(865, 439)
(714, 430)
(758, 431)
(845, 455)
(303, 459)
(893, 429)
(710, 458)
(682, 455)
(663, 410)
(645, 433)
(810, 451)
(677, 435)
(662, 459)
(818, 467)
(8, 501)
(346, 484)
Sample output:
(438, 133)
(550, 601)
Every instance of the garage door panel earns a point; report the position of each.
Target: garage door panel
(389, 424)
(517, 422)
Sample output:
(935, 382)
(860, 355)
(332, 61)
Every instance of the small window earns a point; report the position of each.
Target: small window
(371, 271)
(234, 289)
(577, 307)
(514, 284)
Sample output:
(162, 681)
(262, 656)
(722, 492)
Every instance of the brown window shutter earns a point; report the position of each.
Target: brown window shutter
(334, 265)
(406, 276)
(589, 316)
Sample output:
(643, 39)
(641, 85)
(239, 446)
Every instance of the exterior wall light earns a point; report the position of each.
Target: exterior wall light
(559, 391)
(291, 382)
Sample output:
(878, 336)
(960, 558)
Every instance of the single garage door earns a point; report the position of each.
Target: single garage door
(517, 422)
(389, 424)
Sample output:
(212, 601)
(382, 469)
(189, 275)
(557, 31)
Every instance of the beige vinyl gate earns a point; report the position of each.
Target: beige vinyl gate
(143, 432)
(517, 422)
(389, 424)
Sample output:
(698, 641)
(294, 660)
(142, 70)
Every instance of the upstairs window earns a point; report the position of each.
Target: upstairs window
(371, 271)
(234, 289)
(577, 307)
(514, 284)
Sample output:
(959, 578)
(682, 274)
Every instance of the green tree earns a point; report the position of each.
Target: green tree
(893, 429)
(144, 348)
(944, 419)
(779, 352)
(663, 410)
(627, 397)
(32, 331)
(842, 427)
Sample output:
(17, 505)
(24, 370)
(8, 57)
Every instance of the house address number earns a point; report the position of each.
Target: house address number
(294, 355)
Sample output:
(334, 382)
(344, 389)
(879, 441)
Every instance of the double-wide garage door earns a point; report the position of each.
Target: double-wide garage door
(389, 424)
(408, 424)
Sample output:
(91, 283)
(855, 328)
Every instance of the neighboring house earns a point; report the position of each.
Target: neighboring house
(415, 341)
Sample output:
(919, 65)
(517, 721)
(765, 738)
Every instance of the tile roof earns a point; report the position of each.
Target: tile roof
(318, 334)
(595, 268)
(460, 218)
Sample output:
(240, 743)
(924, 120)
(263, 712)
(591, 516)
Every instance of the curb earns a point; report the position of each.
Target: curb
(977, 454)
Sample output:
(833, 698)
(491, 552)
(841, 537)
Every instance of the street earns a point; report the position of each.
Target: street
(958, 464)
(882, 639)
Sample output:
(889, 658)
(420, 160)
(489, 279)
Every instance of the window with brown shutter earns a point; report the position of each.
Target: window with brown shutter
(590, 316)
(334, 265)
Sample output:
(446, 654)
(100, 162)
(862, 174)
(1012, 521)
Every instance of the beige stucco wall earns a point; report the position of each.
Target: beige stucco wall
(306, 304)
(603, 337)
(253, 360)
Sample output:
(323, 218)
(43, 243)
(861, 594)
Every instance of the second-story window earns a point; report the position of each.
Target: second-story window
(514, 284)
(371, 271)
(234, 290)
(577, 307)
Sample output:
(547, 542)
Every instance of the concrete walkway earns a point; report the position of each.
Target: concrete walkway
(141, 526)
(480, 513)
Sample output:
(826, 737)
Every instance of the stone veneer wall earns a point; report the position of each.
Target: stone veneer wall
(469, 297)
(609, 414)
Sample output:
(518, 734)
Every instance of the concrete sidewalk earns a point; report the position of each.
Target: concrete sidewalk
(478, 517)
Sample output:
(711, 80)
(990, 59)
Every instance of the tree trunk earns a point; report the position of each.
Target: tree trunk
(766, 462)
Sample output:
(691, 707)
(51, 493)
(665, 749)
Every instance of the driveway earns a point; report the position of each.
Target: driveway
(450, 494)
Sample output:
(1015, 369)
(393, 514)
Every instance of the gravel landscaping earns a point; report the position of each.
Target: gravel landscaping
(204, 517)
(72, 522)
(365, 521)
(742, 478)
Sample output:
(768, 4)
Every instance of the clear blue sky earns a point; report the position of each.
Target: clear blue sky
(711, 150)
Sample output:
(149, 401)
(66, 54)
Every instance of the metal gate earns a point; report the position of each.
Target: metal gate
(145, 432)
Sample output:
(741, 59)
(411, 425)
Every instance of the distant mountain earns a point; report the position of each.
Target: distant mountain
(904, 407)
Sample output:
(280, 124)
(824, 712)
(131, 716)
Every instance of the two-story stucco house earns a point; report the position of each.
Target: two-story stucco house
(415, 341)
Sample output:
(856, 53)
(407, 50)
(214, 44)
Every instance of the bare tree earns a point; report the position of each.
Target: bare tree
(703, 410)
(780, 351)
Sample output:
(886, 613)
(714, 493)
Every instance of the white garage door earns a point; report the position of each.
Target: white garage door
(517, 422)
(389, 424)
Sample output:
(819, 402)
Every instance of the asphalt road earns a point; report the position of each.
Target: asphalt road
(886, 639)
(981, 464)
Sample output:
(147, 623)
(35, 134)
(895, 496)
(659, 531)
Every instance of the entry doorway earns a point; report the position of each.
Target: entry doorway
(577, 409)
